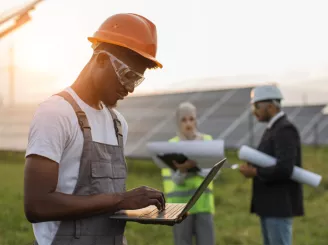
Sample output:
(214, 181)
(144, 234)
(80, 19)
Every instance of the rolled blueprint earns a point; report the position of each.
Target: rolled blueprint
(261, 159)
(205, 153)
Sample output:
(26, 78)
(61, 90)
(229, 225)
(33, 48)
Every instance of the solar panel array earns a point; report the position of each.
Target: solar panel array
(224, 114)
(14, 127)
(305, 119)
(319, 136)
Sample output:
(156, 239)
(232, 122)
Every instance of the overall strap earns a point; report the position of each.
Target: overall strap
(81, 116)
(117, 126)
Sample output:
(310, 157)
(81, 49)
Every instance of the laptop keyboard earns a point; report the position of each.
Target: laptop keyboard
(170, 211)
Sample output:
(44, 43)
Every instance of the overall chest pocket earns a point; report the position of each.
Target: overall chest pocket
(107, 177)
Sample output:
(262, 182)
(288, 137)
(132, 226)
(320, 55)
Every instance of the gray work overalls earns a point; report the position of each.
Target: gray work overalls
(102, 170)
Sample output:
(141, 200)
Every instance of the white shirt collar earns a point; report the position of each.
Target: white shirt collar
(275, 118)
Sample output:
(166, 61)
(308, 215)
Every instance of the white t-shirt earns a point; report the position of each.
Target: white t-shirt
(56, 134)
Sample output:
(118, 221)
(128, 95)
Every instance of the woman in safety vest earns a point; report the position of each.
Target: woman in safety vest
(180, 185)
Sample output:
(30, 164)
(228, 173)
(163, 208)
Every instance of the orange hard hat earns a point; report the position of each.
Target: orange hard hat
(131, 31)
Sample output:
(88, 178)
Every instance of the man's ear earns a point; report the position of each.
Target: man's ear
(271, 108)
(276, 107)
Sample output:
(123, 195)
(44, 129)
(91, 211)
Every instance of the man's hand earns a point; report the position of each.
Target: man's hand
(248, 171)
(182, 218)
(183, 167)
(142, 197)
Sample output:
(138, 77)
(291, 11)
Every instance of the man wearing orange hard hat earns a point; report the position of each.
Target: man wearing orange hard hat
(75, 166)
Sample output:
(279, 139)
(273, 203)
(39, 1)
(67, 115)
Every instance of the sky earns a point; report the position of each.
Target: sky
(201, 44)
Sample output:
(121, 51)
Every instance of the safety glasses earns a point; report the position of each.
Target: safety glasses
(125, 74)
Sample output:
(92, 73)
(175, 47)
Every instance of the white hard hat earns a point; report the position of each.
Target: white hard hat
(265, 92)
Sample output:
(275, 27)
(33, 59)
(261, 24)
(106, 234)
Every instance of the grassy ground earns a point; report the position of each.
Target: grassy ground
(233, 223)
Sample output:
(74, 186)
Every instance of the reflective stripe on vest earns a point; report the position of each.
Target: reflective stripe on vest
(176, 193)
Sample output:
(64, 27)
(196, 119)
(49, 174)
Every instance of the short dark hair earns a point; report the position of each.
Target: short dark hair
(119, 51)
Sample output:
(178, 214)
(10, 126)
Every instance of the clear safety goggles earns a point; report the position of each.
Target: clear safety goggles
(125, 74)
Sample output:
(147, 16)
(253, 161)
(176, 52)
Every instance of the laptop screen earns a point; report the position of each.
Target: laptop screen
(203, 186)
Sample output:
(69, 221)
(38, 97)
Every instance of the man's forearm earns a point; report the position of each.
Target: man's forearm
(285, 148)
(282, 171)
(59, 206)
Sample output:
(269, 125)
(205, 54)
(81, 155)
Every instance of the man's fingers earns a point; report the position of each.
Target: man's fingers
(156, 194)
(151, 189)
(162, 200)
(182, 218)
(160, 197)
(156, 203)
(153, 193)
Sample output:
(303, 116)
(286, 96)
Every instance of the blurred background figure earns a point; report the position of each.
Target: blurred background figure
(179, 186)
(276, 198)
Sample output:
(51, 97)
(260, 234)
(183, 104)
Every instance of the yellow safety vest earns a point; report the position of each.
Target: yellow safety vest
(181, 193)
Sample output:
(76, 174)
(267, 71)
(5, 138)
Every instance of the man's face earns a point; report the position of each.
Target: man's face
(261, 111)
(115, 75)
(188, 125)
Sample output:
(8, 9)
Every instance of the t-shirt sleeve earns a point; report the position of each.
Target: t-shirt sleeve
(50, 130)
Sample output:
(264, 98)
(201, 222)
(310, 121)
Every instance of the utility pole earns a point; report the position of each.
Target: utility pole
(11, 71)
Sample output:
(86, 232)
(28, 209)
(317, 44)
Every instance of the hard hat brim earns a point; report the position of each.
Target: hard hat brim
(143, 54)
(261, 100)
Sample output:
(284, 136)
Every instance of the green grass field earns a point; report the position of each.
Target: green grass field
(233, 223)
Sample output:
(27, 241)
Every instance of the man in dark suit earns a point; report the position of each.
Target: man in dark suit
(276, 199)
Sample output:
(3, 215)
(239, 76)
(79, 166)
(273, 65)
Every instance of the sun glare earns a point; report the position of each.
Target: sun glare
(31, 54)
(272, 46)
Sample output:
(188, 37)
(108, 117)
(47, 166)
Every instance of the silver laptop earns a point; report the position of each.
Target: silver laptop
(173, 212)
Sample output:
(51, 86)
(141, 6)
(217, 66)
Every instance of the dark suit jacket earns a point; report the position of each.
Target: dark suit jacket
(274, 193)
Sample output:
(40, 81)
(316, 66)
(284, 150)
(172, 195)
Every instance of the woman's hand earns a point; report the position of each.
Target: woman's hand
(183, 167)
